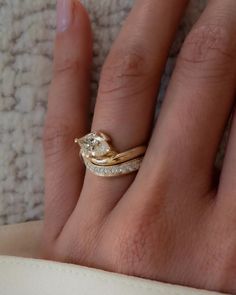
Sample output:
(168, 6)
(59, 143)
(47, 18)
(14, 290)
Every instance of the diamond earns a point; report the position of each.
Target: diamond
(94, 145)
(113, 170)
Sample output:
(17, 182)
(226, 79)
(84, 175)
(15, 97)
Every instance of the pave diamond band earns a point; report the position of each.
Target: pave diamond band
(115, 170)
(101, 158)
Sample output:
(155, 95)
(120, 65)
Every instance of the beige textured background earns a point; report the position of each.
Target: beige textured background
(27, 29)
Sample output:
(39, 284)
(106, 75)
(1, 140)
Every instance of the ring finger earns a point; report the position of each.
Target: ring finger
(127, 92)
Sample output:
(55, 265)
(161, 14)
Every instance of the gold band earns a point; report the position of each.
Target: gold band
(120, 158)
(103, 160)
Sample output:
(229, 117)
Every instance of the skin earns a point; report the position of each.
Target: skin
(171, 221)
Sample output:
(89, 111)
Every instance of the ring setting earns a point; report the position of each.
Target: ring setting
(101, 158)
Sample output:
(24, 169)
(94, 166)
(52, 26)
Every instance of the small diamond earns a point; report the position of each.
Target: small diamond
(126, 169)
(109, 171)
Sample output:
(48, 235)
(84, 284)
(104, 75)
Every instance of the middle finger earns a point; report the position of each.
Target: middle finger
(197, 105)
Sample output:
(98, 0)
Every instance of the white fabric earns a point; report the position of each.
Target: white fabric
(26, 276)
(21, 276)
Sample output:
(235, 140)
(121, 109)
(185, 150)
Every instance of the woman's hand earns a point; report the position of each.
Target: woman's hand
(171, 222)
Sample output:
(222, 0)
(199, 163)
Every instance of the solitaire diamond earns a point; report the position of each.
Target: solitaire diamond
(94, 145)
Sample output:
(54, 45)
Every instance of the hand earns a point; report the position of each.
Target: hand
(171, 221)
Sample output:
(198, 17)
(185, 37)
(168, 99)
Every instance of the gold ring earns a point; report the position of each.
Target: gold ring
(102, 159)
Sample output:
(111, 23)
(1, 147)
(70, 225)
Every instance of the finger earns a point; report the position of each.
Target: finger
(227, 183)
(127, 93)
(67, 115)
(197, 105)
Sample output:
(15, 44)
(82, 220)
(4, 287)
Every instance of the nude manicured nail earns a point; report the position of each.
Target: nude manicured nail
(64, 14)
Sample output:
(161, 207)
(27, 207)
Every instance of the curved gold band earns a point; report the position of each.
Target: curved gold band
(120, 158)
(102, 159)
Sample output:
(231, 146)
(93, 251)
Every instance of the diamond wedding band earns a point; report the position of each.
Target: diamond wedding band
(101, 158)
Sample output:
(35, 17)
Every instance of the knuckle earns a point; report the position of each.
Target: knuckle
(206, 42)
(124, 72)
(70, 252)
(131, 250)
(209, 44)
(77, 249)
(57, 138)
(66, 66)
(133, 243)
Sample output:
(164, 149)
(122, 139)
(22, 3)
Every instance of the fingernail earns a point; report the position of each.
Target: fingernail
(64, 14)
